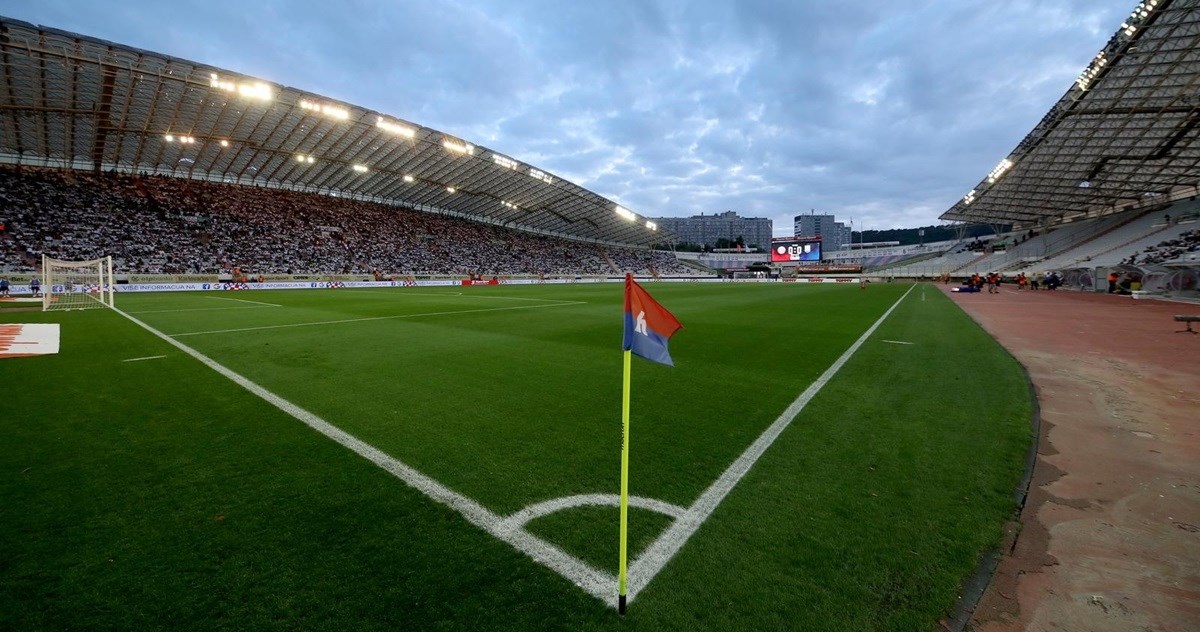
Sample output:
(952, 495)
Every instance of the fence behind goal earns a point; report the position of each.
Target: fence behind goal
(76, 284)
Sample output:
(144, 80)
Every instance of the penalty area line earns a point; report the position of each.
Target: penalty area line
(655, 557)
(363, 320)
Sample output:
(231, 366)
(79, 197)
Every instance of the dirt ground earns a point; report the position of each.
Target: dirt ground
(1109, 539)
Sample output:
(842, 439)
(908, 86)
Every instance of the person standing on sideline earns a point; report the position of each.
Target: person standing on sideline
(1112, 281)
(4, 287)
(35, 286)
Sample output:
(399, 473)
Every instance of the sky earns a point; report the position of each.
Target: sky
(885, 112)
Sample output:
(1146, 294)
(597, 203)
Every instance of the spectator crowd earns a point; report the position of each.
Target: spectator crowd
(1165, 251)
(164, 225)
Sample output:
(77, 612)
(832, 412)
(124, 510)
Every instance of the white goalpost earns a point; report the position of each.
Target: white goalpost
(76, 284)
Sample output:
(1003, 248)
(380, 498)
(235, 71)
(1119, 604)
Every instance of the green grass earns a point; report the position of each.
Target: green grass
(158, 494)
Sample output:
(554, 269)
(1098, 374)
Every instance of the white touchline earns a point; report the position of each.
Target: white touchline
(655, 557)
(145, 358)
(363, 320)
(242, 300)
(593, 581)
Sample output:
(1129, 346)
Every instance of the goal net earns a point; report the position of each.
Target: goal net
(76, 284)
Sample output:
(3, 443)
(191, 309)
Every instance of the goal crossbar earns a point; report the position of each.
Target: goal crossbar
(76, 284)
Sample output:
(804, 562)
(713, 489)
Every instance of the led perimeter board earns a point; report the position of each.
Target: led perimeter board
(795, 250)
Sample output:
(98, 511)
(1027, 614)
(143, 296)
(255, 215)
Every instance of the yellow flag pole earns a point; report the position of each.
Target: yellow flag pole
(621, 577)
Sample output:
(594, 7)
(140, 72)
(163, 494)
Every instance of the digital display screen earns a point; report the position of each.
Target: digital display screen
(795, 250)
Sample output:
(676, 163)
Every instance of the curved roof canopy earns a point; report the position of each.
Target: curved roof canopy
(76, 101)
(1126, 133)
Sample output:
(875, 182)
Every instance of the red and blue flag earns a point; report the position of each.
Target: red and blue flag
(648, 325)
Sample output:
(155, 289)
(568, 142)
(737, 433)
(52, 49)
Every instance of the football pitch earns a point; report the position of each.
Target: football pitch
(821, 457)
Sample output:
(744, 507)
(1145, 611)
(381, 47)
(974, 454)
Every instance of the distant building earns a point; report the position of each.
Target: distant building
(705, 230)
(834, 234)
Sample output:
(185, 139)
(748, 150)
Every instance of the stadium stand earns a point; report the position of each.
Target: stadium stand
(1128, 240)
(165, 225)
(1178, 249)
(943, 264)
(1017, 251)
(1119, 246)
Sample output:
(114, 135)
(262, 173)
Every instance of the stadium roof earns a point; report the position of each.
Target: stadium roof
(1125, 134)
(75, 101)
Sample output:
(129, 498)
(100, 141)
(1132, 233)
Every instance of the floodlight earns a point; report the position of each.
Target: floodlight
(457, 147)
(408, 178)
(224, 143)
(1000, 169)
(541, 175)
(651, 225)
(360, 168)
(394, 128)
(299, 157)
(256, 90)
(169, 138)
(1085, 78)
(626, 213)
(504, 161)
(328, 109)
(310, 159)
(216, 82)
(451, 189)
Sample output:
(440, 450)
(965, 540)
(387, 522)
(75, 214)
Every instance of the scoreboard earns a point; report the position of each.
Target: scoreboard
(794, 250)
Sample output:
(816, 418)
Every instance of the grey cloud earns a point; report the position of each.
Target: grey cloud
(886, 111)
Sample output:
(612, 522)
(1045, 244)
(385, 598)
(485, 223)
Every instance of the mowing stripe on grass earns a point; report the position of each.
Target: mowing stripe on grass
(242, 300)
(390, 293)
(655, 557)
(363, 320)
(595, 582)
(200, 309)
(397, 292)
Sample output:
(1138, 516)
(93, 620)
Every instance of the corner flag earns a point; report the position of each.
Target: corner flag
(648, 327)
